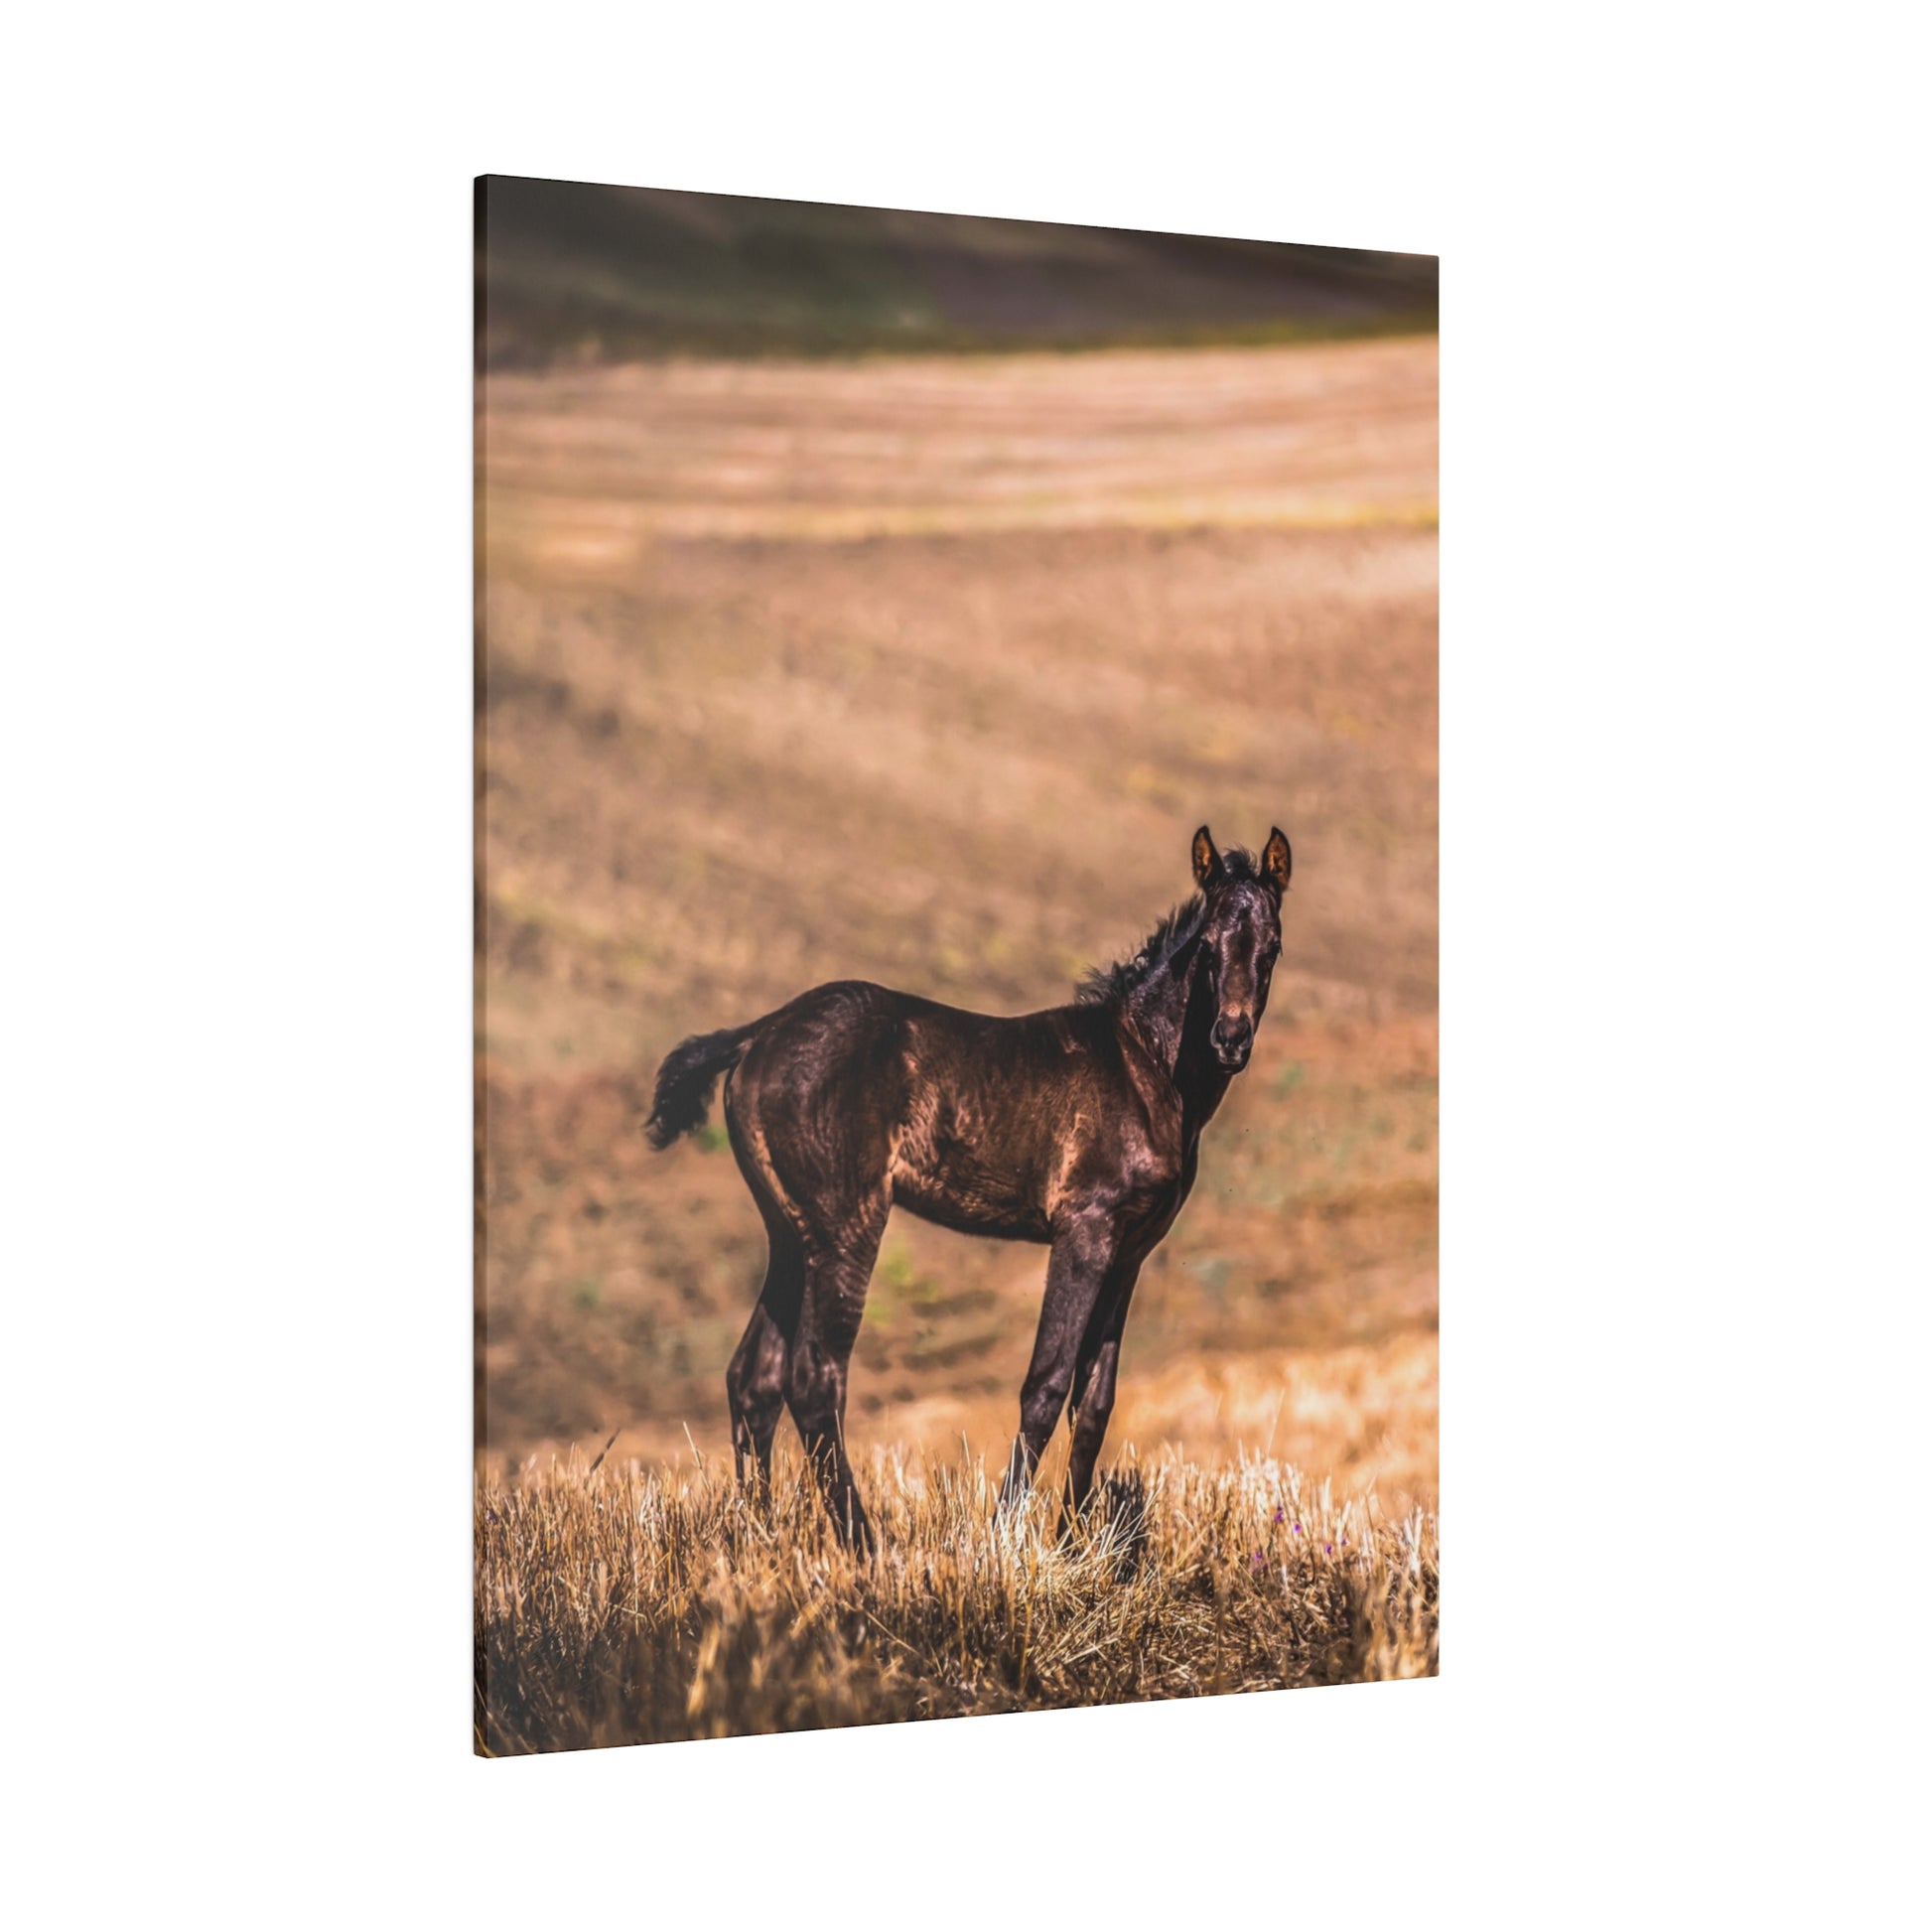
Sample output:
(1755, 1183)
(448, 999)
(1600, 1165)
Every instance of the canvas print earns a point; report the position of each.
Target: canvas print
(956, 1029)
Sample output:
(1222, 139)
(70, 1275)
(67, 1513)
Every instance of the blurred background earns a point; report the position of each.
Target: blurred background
(868, 594)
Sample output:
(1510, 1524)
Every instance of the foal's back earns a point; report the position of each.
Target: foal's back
(855, 1094)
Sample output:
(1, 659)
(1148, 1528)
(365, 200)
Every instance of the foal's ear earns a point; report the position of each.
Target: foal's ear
(1207, 861)
(1276, 860)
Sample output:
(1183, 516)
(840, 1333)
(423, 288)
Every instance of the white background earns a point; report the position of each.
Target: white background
(1685, 1080)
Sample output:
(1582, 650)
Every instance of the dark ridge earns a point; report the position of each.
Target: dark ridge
(574, 271)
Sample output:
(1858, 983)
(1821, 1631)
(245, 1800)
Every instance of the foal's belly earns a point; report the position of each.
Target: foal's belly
(985, 1120)
(955, 1191)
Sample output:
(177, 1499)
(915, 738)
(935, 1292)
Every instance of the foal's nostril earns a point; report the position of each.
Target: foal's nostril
(1232, 1036)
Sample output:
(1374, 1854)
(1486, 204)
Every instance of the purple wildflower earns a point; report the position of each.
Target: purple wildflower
(1329, 1547)
(1279, 1517)
(1298, 1529)
(1256, 1559)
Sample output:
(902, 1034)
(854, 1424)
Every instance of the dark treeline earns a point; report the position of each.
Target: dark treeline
(571, 271)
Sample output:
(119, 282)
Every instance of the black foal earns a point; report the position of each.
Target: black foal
(1077, 1127)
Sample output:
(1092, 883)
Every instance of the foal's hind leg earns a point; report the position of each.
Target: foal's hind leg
(755, 1383)
(821, 1352)
(812, 1112)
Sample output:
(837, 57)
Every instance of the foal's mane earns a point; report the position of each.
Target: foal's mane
(1110, 984)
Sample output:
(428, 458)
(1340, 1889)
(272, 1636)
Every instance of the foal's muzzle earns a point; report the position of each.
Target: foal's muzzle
(1234, 1039)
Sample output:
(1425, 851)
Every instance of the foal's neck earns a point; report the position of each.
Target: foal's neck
(1171, 1012)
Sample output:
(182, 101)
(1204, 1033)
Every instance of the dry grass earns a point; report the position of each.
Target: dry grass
(627, 1605)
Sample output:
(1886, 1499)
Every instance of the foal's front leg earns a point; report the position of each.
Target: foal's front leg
(1094, 1371)
(1076, 1271)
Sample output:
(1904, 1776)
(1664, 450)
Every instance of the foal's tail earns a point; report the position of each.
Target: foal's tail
(685, 1080)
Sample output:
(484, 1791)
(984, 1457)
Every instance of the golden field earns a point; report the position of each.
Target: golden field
(925, 671)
